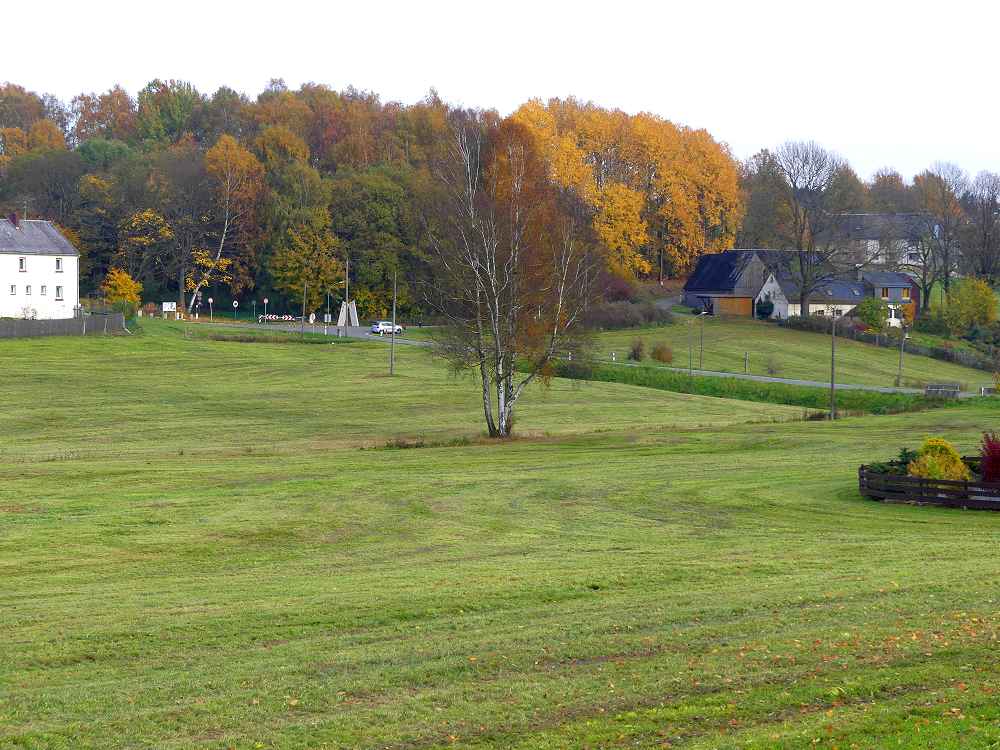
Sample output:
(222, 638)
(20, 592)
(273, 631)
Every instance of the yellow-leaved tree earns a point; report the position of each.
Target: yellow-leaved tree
(661, 195)
(121, 291)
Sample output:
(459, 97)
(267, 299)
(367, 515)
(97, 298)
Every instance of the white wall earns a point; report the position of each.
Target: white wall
(845, 308)
(40, 270)
(771, 290)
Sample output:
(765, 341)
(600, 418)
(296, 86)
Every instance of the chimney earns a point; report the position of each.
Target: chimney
(14, 220)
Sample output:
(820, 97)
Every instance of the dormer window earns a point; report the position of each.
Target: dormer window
(58, 265)
(22, 264)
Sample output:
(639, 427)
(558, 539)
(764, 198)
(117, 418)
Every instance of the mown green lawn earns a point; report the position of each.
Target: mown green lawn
(206, 544)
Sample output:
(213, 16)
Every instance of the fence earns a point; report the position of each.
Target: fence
(816, 324)
(953, 494)
(87, 325)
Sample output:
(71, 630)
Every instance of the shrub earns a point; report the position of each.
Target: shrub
(938, 459)
(931, 323)
(773, 365)
(764, 308)
(637, 351)
(873, 312)
(663, 353)
(970, 303)
(990, 452)
(613, 316)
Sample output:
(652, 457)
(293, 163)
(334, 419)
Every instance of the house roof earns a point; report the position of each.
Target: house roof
(719, 272)
(876, 226)
(33, 237)
(887, 278)
(835, 291)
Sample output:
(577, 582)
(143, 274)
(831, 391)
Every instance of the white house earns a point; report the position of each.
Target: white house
(39, 271)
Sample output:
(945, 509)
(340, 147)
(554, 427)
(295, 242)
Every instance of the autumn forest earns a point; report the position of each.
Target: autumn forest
(187, 191)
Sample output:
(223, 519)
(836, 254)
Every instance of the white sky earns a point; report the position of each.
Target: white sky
(882, 82)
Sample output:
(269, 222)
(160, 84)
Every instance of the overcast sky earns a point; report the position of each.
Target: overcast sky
(883, 83)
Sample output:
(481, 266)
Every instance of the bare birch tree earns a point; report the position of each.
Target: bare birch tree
(513, 262)
(810, 181)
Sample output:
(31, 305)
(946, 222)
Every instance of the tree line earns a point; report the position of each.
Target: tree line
(284, 194)
(795, 193)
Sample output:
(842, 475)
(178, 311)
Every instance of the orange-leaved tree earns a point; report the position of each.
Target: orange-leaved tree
(237, 179)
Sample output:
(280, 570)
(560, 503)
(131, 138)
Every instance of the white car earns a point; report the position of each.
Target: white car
(383, 327)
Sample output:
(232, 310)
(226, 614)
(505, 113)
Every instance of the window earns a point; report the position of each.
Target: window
(13, 288)
(906, 293)
(27, 290)
(885, 292)
(43, 290)
(58, 292)
(22, 264)
(58, 265)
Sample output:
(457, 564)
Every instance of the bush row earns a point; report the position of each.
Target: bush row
(613, 316)
(872, 402)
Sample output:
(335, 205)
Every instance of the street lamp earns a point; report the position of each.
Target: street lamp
(211, 311)
(834, 314)
(701, 345)
(235, 307)
(265, 309)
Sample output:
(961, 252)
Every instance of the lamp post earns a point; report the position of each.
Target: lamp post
(211, 311)
(392, 341)
(903, 335)
(255, 309)
(265, 309)
(834, 313)
(236, 306)
(701, 344)
(690, 350)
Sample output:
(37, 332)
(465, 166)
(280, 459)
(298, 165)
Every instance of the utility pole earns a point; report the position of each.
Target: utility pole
(833, 366)
(302, 320)
(392, 341)
(701, 345)
(902, 343)
(690, 349)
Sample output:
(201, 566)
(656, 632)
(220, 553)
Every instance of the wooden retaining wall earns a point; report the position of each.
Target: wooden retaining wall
(950, 493)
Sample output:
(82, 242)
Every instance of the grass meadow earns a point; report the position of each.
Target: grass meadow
(215, 544)
(774, 350)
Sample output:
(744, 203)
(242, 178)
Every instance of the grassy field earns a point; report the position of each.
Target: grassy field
(796, 354)
(207, 544)
(793, 353)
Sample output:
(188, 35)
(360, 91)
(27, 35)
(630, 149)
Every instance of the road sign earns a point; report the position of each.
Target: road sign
(327, 318)
(169, 307)
(235, 304)
(312, 318)
(265, 300)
